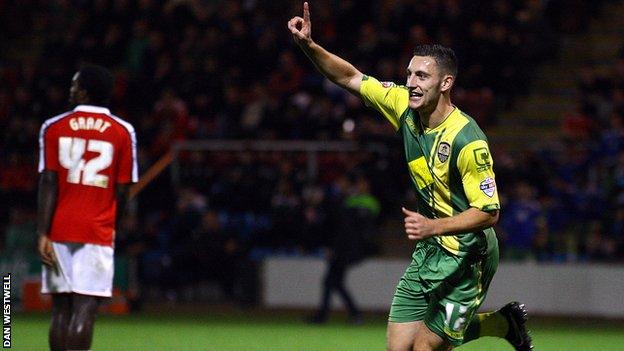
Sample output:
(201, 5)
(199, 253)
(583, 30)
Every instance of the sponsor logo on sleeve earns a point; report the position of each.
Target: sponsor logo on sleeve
(488, 186)
(482, 159)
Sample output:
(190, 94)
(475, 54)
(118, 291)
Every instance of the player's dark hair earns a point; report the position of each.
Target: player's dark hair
(97, 81)
(444, 57)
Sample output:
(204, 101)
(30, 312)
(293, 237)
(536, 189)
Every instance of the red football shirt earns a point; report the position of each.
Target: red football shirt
(91, 151)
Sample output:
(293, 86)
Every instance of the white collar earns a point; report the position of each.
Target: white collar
(92, 109)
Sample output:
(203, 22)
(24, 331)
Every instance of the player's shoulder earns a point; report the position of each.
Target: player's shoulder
(123, 123)
(53, 125)
(469, 131)
(100, 111)
(383, 84)
(85, 118)
(53, 120)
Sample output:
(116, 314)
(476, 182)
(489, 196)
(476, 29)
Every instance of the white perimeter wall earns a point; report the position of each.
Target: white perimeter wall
(561, 289)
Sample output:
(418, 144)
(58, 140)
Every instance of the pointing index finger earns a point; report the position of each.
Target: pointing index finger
(306, 12)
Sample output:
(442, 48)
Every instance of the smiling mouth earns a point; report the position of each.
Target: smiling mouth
(415, 94)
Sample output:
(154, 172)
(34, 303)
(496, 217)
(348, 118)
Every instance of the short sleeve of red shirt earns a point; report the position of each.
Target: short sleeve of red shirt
(127, 171)
(48, 146)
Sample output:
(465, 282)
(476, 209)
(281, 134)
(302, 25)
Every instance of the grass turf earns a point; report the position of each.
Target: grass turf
(286, 331)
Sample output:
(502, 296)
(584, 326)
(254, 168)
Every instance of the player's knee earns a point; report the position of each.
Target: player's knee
(396, 343)
(82, 322)
(424, 344)
(396, 346)
(421, 347)
(77, 327)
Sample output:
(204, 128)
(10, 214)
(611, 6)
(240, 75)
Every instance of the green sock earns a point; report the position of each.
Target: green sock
(486, 324)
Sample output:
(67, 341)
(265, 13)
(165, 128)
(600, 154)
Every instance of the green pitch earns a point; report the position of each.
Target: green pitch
(285, 331)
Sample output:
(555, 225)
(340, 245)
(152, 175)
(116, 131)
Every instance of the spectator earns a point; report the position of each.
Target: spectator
(351, 243)
(521, 222)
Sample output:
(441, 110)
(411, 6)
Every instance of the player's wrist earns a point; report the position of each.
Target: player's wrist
(438, 227)
(306, 44)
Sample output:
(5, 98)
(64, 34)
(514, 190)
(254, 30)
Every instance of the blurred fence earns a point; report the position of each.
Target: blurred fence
(548, 289)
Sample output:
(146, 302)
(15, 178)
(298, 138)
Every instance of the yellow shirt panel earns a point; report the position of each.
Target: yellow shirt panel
(389, 99)
(475, 165)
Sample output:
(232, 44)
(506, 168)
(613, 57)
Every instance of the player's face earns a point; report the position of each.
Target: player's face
(424, 82)
(73, 90)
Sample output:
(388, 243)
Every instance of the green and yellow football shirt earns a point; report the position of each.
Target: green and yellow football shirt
(450, 165)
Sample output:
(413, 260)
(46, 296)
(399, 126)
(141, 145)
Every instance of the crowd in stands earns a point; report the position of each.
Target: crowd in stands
(188, 70)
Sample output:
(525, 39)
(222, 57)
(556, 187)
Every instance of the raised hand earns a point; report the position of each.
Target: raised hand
(301, 28)
(417, 226)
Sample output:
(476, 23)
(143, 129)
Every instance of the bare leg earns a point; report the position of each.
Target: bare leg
(414, 336)
(400, 336)
(84, 311)
(61, 315)
(426, 340)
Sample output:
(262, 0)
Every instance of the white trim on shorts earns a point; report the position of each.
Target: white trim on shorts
(81, 268)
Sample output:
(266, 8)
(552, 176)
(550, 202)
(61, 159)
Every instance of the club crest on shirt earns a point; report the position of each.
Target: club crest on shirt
(444, 150)
(387, 84)
(488, 186)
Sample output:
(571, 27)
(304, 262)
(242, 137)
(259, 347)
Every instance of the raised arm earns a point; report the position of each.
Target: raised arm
(331, 66)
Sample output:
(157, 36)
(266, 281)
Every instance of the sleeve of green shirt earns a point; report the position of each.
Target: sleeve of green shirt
(389, 99)
(475, 165)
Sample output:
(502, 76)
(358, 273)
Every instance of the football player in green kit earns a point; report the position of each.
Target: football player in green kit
(456, 255)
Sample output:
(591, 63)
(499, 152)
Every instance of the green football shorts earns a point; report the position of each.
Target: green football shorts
(443, 290)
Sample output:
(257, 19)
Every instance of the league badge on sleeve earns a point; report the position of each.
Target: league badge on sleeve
(488, 186)
(444, 150)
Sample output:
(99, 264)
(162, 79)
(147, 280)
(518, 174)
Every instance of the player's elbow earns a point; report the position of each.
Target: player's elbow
(492, 218)
(47, 177)
(351, 81)
(122, 191)
(48, 183)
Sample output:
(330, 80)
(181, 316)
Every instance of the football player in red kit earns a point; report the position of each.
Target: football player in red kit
(87, 162)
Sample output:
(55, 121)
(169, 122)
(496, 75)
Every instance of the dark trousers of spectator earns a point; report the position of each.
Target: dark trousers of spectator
(334, 281)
